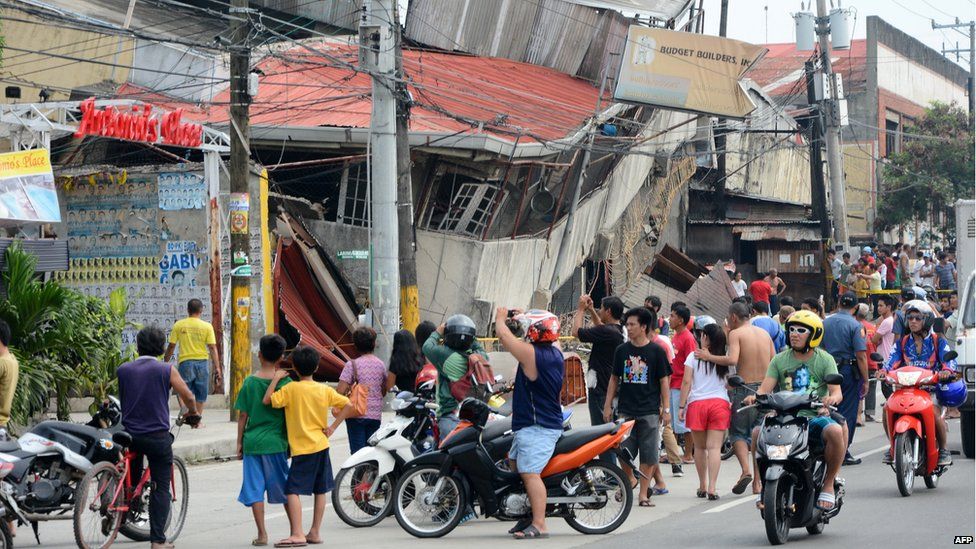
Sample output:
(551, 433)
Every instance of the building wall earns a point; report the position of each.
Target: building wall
(859, 177)
(32, 72)
(915, 82)
(196, 76)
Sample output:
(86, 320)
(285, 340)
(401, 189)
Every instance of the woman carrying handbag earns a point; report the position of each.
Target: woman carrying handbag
(364, 380)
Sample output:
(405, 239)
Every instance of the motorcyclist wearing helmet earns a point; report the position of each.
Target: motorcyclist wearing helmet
(537, 416)
(448, 349)
(922, 348)
(801, 369)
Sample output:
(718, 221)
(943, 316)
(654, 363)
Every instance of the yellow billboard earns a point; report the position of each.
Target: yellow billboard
(686, 71)
(27, 187)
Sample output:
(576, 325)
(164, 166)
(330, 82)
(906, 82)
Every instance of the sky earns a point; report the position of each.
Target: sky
(747, 21)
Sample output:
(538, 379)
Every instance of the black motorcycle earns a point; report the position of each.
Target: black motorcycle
(792, 471)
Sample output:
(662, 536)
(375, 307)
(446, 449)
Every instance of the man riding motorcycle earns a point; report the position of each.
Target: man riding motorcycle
(802, 368)
(448, 349)
(922, 348)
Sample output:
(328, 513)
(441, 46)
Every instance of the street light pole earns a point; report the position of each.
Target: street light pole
(835, 162)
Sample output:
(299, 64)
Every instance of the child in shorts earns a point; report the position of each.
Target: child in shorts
(261, 440)
(307, 404)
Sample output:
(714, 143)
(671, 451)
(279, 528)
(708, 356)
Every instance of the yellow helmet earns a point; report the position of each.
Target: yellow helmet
(810, 320)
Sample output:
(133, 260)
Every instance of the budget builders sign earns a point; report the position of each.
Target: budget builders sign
(686, 71)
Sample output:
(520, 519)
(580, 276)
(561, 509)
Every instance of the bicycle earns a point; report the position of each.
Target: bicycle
(107, 503)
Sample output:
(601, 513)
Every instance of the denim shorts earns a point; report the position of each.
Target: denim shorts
(197, 377)
(532, 448)
(264, 474)
(815, 429)
(676, 424)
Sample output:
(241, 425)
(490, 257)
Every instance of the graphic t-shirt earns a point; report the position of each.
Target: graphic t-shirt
(605, 339)
(265, 430)
(802, 377)
(192, 335)
(639, 371)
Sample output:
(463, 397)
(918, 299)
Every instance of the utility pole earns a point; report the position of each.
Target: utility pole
(818, 192)
(409, 296)
(377, 56)
(972, 57)
(720, 165)
(835, 162)
(240, 153)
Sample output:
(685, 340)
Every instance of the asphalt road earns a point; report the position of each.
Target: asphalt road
(874, 514)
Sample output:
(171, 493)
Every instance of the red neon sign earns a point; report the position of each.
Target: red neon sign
(139, 124)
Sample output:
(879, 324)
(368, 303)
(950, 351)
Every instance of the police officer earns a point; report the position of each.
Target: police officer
(844, 339)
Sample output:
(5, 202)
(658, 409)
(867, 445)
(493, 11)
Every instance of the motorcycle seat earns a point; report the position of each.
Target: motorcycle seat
(497, 428)
(122, 438)
(9, 446)
(572, 440)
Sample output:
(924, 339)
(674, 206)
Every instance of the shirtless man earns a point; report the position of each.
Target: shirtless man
(778, 286)
(750, 351)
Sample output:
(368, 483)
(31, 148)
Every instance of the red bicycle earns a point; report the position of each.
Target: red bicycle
(108, 500)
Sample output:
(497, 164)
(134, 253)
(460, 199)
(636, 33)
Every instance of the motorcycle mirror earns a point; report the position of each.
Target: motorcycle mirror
(877, 357)
(736, 381)
(951, 355)
(833, 379)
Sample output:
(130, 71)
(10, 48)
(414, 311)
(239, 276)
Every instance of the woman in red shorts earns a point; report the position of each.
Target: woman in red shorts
(705, 408)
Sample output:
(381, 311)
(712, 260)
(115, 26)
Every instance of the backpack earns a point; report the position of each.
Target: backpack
(476, 381)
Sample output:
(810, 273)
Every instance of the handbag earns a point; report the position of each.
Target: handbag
(358, 393)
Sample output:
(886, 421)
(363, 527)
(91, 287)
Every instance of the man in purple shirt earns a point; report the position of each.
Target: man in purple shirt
(144, 386)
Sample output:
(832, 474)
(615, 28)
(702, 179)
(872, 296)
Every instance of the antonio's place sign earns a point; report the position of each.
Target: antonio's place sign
(138, 124)
(686, 71)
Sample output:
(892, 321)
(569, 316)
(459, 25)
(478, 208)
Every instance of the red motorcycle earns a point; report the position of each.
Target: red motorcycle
(911, 427)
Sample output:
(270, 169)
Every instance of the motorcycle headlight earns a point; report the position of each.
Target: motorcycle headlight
(106, 444)
(908, 379)
(969, 374)
(779, 451)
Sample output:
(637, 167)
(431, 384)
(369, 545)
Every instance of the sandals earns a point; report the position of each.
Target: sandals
(531, 532)
(826, 497)
(712, 497)
(645, 503)
(741, 486)
(759, 503)
(659, 491)
(258, 542)
(701, 493)
(290, 543)
(522, 524)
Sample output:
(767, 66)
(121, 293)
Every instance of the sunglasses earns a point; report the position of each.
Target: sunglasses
(801, 330)
(915, 317)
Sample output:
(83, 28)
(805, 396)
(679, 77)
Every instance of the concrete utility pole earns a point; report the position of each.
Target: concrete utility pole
(378, 56)
(240, 153)
(835, 162)
(409, 296)
(720, 162)
(818, 191)
(972, 58)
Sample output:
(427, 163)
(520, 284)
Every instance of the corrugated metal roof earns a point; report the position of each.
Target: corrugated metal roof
(755, 233)
(778, 71)
(300, 88)
(710, 295)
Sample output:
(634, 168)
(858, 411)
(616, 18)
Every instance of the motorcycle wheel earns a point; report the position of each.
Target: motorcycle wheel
(349, 498)
(905, 462)
(601, 518)
(728, 449)
(418, 512)
(135, 526)
(95, 525)
(931, 481)
(6, 540)
(776, 494)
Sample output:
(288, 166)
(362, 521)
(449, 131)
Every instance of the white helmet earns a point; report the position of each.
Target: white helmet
(917, 305)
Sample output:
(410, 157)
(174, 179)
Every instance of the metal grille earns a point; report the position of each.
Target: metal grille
(354, 196)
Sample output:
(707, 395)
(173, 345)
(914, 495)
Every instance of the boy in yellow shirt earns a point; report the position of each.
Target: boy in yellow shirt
(307, 404)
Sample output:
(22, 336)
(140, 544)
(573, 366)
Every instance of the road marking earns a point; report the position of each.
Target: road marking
(747, 499)
(731, 504)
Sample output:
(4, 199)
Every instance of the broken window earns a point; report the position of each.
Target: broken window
(462, 205)
(354, 196)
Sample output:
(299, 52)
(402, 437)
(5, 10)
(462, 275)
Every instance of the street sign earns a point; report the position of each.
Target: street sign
(353, 254)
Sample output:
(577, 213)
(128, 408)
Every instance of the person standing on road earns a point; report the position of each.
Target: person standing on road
(750, 350)
(705, 408)
(369, 371)
(537, 416)
(844, 339)
(197, 342)
(945, 274)
(144, 388)
(9, 372)
(684, 344)
(262, 444)
(862, 314)
(926, 273)
(739, 285)
(642, 373)
(448, 349)
(836, 271)
(605, 335)
(760, 290)
(654, 303)
(777, 287)
(406, 361)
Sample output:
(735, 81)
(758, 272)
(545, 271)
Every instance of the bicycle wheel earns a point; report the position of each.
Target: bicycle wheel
(95, 522)
(136, 523)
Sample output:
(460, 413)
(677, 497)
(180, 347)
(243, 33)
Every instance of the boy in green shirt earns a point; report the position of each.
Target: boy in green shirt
(261, 438)
(802, 369)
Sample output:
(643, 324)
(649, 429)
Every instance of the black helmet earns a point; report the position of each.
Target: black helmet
(459, 332)
(474, 411)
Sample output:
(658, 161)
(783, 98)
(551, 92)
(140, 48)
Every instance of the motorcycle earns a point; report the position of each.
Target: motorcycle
(360, 499)
(9, 510)
(793, 474)
(43, 467)
(911, 427)
(437, 488)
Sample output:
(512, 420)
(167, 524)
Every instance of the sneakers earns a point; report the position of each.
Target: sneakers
(676, 471)
(887, 458)
(945, 458)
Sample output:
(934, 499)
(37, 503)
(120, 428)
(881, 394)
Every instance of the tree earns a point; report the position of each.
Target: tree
(933, 170)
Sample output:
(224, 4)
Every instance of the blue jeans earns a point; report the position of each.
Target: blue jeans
(196, 374)
(359, 429)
